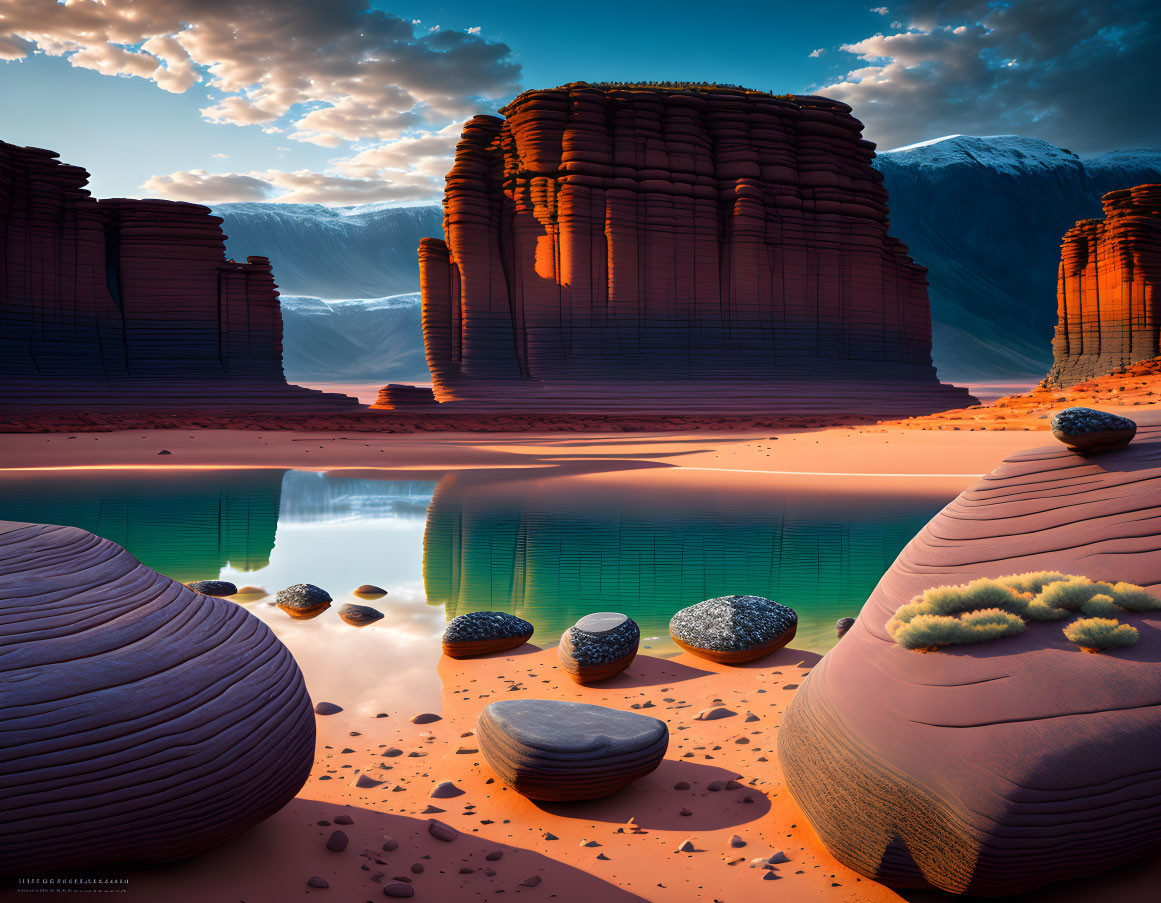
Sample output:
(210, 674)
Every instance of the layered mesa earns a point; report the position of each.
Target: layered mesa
(1109, 288)
(632, 245)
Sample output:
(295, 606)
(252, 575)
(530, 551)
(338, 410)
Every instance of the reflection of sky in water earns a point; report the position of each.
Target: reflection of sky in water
(549, 548)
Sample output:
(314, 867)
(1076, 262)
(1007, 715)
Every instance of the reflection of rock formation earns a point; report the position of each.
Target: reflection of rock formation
(185, 525)
(992, 769)
(1109, 294)
(313, 497)
(122, 302)
(552, 550)
(665, 247)
(142, 722)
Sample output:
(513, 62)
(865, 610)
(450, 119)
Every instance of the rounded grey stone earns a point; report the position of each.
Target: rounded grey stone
(1076, 421)
(485, 625)
(213, 587)
(603, 637)
(574, 728)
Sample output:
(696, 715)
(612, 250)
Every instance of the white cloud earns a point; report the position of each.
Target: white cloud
(815, 54)
(880, 10)
(301, 186)
(1078, 74)
(220, 156)
(475, 30)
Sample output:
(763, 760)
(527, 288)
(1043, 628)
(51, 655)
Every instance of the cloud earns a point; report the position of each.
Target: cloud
(475, 30)
(1078, 74)
(220, 156)
(880, 10)
(334, 70)
(301, 186)
(815, 54)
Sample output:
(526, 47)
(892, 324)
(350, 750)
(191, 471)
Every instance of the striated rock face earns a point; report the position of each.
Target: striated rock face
(141, 721)
(1109, 290)
(636, 246)
(128, 300)
(999, 767)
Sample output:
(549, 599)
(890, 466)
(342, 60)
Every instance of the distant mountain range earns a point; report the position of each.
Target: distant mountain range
(984, 215)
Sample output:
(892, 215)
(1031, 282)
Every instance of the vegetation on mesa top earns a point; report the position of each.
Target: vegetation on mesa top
(665, 87)
(988, 609)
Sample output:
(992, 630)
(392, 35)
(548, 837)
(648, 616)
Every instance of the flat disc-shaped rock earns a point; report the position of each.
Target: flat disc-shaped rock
(554, 750)
(369, 591)
(359, 615)
(598, 646)
(1089, 431)
(733, 628)
(481, 632)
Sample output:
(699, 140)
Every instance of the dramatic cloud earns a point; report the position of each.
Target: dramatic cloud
(1079, 74)
(323, 72)
(291, 187)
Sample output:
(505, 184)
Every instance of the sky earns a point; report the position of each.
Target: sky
(357, 101)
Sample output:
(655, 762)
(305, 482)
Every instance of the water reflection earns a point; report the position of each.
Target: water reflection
(551, 550)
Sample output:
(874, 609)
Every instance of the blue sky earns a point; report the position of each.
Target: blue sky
(330, 101)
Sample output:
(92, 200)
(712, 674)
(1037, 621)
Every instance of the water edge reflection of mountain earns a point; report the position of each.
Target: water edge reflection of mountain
(551, 550)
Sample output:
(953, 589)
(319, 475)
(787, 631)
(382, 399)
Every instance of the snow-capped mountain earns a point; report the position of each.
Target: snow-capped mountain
(376, 340)
(985, 216)
(333, 252)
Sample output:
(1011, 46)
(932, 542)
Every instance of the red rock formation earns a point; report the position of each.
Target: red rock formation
(1109, 290)
(129, 301)
(656, 247)
(400, 397)
(995, 768)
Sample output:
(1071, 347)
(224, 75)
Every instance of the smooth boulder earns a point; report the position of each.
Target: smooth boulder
(359, 615)
(480, 632)
(1089, 431)
(369, 591)
(547, 749)
(598, 646)
(997, 767)
(733, 629)
(141, 721)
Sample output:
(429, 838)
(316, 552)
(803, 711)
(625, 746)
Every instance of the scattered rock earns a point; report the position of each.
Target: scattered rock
(495, 855)
(303, 600)
(733, 629)
(337, 842)
(398, 890)
(554, 750)
(390, 844)
(359, 615)
(369, 591)
(842, 625)
(426, 718)
(255, 592)
(598, 646)
(480, 632)
(327, 708)
(1087, 431)
(213, 587)
(445, 790)
(366, 783)
(532, 881)
(344, 820)
(686, 846)
(165, 451)
(316, 881)
(440, 831)
(714, 714)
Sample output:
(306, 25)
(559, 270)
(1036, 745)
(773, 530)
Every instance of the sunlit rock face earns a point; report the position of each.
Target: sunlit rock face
(108, 301)
(141, 721)
(1109, 291)
(685, 247)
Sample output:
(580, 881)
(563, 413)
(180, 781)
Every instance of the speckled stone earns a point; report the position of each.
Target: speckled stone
(733, 628)
(213, 587)
(303, 597)
(1090, 431)
(548, 749)
(480, 632)
(598, 646)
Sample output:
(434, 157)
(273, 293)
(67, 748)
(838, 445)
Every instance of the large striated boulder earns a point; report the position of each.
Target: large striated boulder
(1109, 291)
(999, 767)
(685, 248)
(139, 720)
(120, 302)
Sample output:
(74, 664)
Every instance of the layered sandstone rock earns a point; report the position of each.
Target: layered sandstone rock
(141, 721)
(131, 302)
(666, 247)
(1109, 289)
(998, 767)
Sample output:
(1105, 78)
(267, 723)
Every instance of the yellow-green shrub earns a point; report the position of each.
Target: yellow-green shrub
(1100, 633)
(987, 609)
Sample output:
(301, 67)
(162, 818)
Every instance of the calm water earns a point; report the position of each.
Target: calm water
(548, 548)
